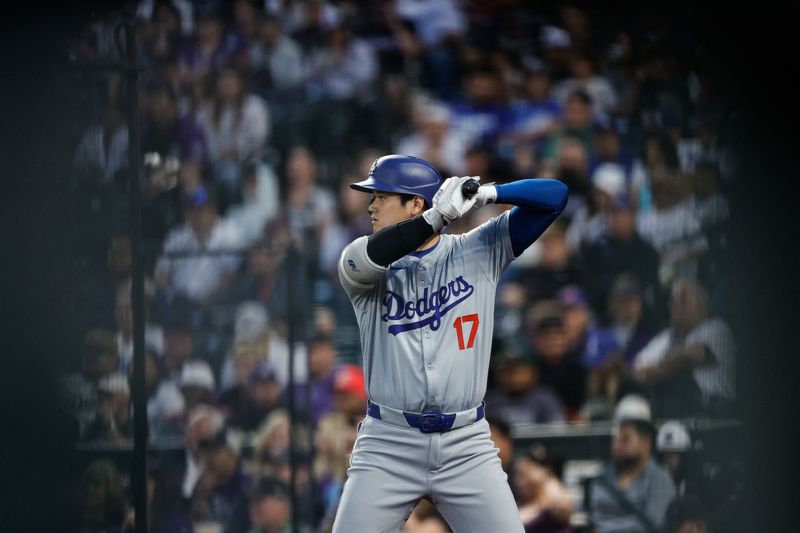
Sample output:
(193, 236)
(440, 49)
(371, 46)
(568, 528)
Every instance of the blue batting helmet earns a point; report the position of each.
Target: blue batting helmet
(402, 174)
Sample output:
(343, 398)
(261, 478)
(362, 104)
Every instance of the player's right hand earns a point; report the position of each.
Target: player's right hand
(449, 201)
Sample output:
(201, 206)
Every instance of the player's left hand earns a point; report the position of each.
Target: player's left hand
(449, 201)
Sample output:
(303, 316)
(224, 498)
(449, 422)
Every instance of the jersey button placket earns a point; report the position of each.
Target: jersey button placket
(430, 367)
(426, 335)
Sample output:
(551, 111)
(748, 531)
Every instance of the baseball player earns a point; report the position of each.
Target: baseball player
(424, 301)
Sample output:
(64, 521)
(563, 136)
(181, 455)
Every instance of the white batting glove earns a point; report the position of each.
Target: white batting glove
(449, 203)
(487, 194)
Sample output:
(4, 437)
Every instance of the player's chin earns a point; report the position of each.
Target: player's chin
(376, 226)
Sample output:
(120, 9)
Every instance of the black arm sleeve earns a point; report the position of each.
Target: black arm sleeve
(390, 244)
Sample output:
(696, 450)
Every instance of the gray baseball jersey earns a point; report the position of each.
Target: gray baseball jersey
(426, 332)
(426, 326)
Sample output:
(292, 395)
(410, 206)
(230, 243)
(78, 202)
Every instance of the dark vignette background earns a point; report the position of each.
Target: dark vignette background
(755, 46)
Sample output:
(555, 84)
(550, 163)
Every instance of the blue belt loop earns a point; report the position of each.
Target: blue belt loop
(373, 410)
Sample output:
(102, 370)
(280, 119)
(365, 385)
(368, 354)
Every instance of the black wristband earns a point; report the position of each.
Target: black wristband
(390, 244)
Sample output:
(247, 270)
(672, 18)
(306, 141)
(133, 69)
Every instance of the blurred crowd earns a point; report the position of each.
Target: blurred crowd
(254, 118)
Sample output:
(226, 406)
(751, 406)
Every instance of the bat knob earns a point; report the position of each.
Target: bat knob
(469, 188)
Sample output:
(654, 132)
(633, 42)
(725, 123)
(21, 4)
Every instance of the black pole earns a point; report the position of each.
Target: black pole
(308, 418)
(139, 466)
(292, 294)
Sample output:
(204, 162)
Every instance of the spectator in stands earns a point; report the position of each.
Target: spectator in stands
(709, 204)
(633, 491)
(702, 148)
(571, 167)
(307, 22)
(247, 405)
(271, 441)
(439, 26)
(629, 321)
(166, 132)
(260, 197)
(619, 68)
(260, 279)
(710, 207)
(101, 503)
(673, 445)
(153, 334)
(629, 330)
(672, 229)
(565, 375)
(345, 69)
(686, 515)
(658, 158)
(80, 390)
(159, 30)
(501, 436)
(112, 423)
(197, 384)
(520, 398)
(609, 148)
(179, 343)
(202, 423)
(341, 85)
(167, 512)
(190, 273)
(165, 403)
(578, 25)
(590, 221)
(250, 345)
(691, 364)
(246, 18)
(103, 150)
(433, 140)
(310, 205)
(236, 124)
(480, 116)
(621, 250)
(222, 483)
(536, 114)
(209, 50)
(270, 510)
(352, 221)
(577, 124)
(276, 61)
(555, 48)
(556, 268)
(585, 78)
(349, 395)
(322, 378)
(586, 340)
(97, 297)
(333, 441)
(664, 101)
(256, 339)
(544, 504)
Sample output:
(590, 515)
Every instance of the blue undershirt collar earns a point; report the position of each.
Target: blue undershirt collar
(422, 253)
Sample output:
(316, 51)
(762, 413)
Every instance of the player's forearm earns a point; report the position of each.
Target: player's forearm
(538, 203)
(386, 246)
(364, 261)
(542, 193)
